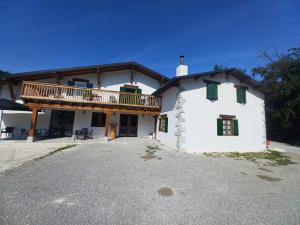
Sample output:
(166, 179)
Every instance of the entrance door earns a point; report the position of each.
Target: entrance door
(61, 124)
(128, 125)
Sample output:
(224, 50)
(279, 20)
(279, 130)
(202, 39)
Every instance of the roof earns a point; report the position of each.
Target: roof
(42, 74)
(234, 72)
(6, 104)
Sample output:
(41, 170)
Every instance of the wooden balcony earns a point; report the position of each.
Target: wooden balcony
(45, 92)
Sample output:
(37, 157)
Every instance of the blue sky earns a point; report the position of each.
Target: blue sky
(42, 34)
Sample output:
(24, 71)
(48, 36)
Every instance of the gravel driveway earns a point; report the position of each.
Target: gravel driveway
(112, 184)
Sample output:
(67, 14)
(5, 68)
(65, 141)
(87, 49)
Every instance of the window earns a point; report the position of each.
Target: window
(227, 126)
(163, 123)
(211, 89)
(241, 94)
(80, 84)
(98, 119)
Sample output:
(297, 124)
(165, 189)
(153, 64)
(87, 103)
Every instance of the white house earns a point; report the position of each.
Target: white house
(212, 111)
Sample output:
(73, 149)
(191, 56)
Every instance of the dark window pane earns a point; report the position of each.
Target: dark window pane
(98, 119)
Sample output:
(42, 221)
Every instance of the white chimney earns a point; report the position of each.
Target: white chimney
(182, 69)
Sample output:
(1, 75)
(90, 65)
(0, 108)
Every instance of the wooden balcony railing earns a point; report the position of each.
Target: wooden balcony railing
(54, 92)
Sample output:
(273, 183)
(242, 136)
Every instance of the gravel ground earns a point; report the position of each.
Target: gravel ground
(111, 184)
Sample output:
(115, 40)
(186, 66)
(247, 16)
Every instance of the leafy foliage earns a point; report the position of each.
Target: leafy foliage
(281, 74)
(219, 68)
(3, 74)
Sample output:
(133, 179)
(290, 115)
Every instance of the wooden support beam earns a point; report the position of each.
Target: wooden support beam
(92, 108)
(33, 122)
(131, 77)
(57, 78)
(107, 124)
(98, 78)
(155, 127)
(11, 91)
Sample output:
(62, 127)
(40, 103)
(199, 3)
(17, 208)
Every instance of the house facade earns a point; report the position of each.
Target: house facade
(100, 98)
(213, 111)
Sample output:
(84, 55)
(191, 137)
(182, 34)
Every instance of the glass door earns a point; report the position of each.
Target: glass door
(128, 125)
(61, 124)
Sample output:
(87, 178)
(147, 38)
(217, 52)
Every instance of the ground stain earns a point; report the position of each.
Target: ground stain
(272, 179)
(244, 173)
(165, 191)
(148, 157)
(265, 169)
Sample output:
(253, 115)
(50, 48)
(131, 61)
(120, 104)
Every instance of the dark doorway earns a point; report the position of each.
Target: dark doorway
(61, 124)
(128, 125)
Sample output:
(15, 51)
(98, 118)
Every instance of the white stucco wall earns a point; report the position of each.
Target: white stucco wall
(114, 80)
(21, 120)
(201, 118)
(168, 108)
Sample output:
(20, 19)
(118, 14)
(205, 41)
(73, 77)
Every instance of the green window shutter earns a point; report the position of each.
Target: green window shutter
(212, 91)
(123, 89)
(236, 127)
(244, 95)
(139, 91)
(159, 124)
(220, 127)
(241, 95)
(166, 124)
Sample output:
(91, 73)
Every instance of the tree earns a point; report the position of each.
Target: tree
(3, 74)
(220, 68)
(281, 74)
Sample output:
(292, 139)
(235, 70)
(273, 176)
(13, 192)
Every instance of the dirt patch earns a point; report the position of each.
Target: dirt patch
(243, 173)
(265, 169)
(165, 191)
(148, 157)
(267, 178)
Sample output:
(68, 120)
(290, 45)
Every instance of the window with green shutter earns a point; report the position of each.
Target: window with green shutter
(227, 126)
(130, 99)
(211, 89)
(241, 94)
(163, 123)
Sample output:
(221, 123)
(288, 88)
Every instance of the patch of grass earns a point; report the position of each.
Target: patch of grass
(150, 152)
(56, 150)
(274, 158)
(213, 154)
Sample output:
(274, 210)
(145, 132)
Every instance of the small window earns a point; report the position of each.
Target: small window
(98, 119)
(163, 123)
(227, 126)
(241, 94)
